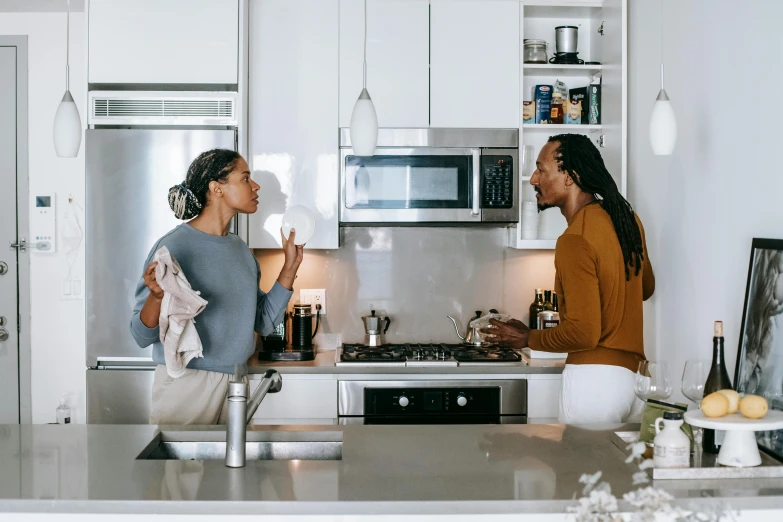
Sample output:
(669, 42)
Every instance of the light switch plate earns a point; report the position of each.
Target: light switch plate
(313, 297)
(72, 289)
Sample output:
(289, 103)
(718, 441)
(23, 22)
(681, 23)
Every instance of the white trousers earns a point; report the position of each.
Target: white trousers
(598, 394)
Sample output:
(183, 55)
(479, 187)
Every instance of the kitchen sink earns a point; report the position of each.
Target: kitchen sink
(191, 445)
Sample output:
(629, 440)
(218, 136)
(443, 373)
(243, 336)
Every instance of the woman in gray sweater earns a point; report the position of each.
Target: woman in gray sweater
(222, 268)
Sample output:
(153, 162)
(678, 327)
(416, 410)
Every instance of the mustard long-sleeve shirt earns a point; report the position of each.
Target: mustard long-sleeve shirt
(600, 311)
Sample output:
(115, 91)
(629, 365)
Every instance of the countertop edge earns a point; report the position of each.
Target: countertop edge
(327, 508)
(324, 365)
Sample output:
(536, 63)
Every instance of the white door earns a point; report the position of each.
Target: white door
(9, 289)
(474, 64)
(398, 60)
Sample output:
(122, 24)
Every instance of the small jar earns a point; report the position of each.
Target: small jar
(672, 446)
(534, 51)
(548, 319)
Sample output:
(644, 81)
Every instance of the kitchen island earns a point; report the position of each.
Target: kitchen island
(442, 472)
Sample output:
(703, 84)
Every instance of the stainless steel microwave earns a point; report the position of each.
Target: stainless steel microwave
(432, 176)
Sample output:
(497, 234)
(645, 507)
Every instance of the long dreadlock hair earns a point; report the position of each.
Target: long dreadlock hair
(577, 156)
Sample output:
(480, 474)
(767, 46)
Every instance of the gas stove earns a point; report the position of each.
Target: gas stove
(416, 355)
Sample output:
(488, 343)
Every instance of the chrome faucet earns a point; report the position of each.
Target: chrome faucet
(241, 410)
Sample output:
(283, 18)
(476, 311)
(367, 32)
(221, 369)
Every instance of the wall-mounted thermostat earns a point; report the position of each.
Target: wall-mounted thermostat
(43, 225)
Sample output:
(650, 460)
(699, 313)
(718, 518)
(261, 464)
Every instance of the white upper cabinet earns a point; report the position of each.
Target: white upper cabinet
(397, 60)
(292, 127)
(475, 63)
(164, 41)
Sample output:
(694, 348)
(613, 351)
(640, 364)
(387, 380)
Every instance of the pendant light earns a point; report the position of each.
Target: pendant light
(663, 124)
(364, 120)
(67, 123)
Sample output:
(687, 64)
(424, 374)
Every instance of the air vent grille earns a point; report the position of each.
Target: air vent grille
(161, 108)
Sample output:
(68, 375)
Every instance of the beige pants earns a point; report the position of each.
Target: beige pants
(197, 397)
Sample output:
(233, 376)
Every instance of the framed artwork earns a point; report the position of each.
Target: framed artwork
(759, 369)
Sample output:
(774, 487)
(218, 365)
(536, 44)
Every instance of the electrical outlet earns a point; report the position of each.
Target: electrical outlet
(314, 297)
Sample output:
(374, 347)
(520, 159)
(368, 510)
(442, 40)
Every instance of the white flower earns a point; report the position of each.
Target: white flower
(637, 449)
(649, 498)
(599, 506)
(589, 481)
(646, 464)
(640, 477)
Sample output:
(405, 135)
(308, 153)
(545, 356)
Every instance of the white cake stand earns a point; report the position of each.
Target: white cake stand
(739, 448)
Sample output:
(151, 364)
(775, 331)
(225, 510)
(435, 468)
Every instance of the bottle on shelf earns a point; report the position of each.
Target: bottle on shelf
(718, 379)
(557, 109)
(548, 306)
(535, 307)
(63, 411)
(554, 303)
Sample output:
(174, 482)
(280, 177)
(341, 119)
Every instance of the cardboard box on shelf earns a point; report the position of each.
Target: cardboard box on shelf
(528, 112)
(542, 96)
(594, 116)
(577, 106)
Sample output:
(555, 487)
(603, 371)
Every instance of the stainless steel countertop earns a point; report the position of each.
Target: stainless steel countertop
(384, 469)
(324, 363)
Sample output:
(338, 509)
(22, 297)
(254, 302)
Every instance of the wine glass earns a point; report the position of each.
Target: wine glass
(694, 375)
(653, 381)
(693, 378)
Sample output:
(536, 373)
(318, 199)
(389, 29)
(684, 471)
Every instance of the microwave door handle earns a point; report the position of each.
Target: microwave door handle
(476, 210)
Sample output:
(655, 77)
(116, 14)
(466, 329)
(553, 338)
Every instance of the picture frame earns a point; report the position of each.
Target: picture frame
(759, 368)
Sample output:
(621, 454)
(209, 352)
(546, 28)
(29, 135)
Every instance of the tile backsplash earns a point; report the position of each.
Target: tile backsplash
(416, 276)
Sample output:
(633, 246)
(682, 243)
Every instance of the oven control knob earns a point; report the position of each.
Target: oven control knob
(403, 401)
(462, 400)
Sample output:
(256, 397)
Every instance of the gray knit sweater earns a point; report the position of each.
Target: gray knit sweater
(226, 273)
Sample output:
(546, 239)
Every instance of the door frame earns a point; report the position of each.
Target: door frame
(22, 224)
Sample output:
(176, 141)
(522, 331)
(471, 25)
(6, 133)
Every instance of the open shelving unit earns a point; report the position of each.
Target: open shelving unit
(560, 127)
(602, 28)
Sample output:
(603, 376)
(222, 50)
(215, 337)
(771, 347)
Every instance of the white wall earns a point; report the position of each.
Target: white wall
(721, 187)
(57, 326)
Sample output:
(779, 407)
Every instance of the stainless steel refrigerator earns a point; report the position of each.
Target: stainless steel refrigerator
(129, 173)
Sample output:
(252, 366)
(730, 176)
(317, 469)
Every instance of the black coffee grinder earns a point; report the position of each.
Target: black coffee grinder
(276, 347)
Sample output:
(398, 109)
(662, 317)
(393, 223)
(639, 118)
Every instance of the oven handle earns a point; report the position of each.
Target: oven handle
(476, 210)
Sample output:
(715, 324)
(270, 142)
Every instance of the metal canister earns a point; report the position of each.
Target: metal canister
(302, 326)
(548, 319)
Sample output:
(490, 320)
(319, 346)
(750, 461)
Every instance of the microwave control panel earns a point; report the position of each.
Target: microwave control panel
(497, 182)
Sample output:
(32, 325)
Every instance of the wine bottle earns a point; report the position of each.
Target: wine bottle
(718, 379)
(535, 307)
(554, 302)
(548, 301)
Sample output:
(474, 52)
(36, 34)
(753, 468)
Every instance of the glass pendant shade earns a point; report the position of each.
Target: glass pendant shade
(67, 128)
(364, 126)
(663, 126)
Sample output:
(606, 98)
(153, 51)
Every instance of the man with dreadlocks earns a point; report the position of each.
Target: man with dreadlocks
(603, 274)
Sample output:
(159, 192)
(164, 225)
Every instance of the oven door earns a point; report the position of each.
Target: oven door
(411, 185)
(432, 402)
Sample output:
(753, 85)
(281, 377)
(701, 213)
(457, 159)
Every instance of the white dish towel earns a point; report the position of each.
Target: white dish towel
(180, 305)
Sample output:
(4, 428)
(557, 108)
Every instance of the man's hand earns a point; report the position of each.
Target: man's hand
(513, 334)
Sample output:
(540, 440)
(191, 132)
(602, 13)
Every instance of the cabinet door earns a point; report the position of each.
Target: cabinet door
(398, 56)
(614, 89)
(164, 41)
(475, 63)
(314, 400)
(292, 135)
(543, 398)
